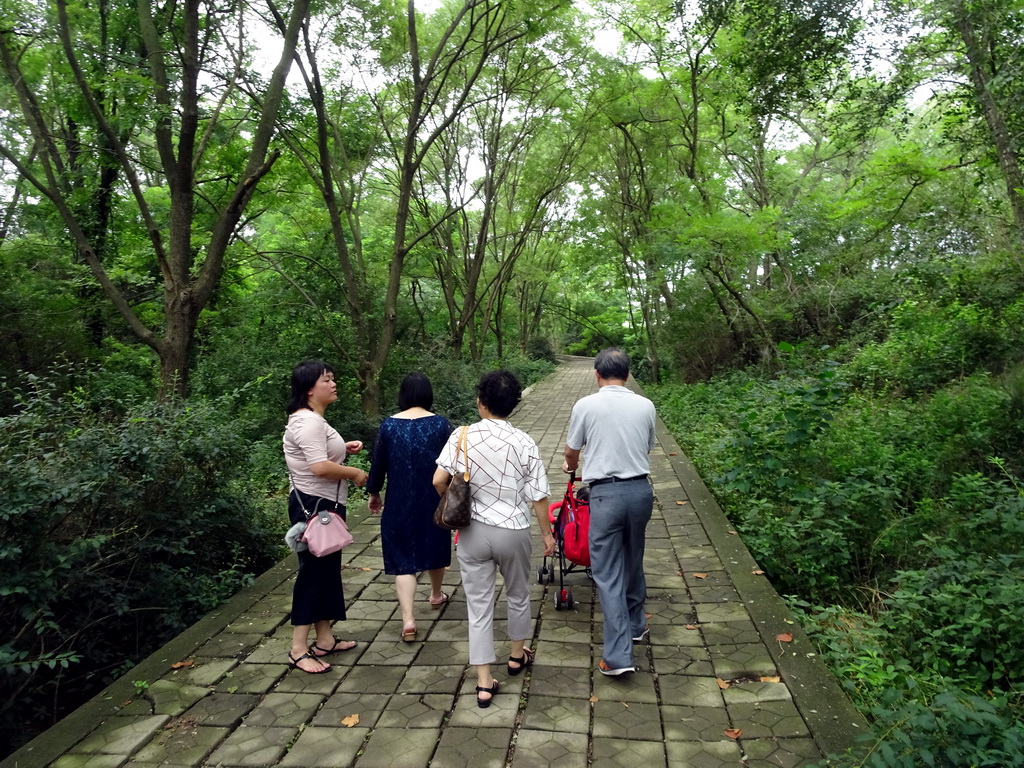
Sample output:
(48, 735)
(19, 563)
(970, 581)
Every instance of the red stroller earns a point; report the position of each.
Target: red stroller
(570, 522)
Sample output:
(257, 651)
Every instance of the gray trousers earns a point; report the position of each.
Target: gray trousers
(483, 551)
(619, 513)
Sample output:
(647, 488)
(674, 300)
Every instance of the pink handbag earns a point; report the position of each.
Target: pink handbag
(326, 533)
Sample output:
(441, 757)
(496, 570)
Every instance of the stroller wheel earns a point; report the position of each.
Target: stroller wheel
(563, 599)
(542, 574)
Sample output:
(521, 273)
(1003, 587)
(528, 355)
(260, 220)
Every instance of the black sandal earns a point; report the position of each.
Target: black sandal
(523, 661)
(485, 703)
(293, 663)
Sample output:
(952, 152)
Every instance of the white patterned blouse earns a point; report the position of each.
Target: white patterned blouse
(505, 472)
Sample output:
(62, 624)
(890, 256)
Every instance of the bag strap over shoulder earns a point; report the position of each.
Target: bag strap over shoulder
(461, 448)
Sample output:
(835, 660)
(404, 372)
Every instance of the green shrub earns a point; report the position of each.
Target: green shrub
(123, 523)
(953, 730)
(960, 618)
(928, 346)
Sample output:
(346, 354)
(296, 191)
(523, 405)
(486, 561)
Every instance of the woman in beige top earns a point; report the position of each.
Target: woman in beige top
(315, 454)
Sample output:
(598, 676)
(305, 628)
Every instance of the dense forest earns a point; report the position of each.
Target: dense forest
(803, 220)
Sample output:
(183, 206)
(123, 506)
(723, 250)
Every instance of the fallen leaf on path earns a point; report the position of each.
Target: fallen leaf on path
(680, 503)
(593, 699)
(785, 637)
(770, 679)
(180, 664)
(349, 721)
(723, 684)
(700, 575)
(731, 533)
(732, 733)
(758, 572)
(691, 626)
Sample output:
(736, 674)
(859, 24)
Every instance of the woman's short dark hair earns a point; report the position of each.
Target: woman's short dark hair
(304, 376)
(500, 392)
(612, 363)
(415, 392)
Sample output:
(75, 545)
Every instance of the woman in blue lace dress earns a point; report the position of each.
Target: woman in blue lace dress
(403, 455)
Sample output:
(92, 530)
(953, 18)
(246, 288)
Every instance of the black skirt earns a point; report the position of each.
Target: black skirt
(318, 593)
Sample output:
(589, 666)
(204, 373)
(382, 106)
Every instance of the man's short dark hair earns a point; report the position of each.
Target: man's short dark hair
(500, 392)
(415, 392)
(612, 363)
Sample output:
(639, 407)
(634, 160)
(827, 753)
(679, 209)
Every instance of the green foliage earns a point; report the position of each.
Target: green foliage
(929, 344)
(953, 730)
(123, 522)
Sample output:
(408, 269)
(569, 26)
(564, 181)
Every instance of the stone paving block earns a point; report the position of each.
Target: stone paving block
(230, 645)
(501, 713)
(252, 678)
(203, 672)
(170, 697)
(707, 754)
(469, 748)
(694, 723)
(375, 679)
(370, 611)
(398, 748)
(455, 611)
(90, 761)
(625, 753)
(682, 660)
(551, 653)
(181, 742)
(689, 691)
(122, 735)
(638, 686)
(733, 661)
(273, 650)
(721, 612)
(432, 678)
(325, 683)
(326, 747)
(223, 709)
(776, 753)
(544, 749)
(443, 653)
(285, 709)
(743, 693)
(255, 624)
(417, 710)
(627, 720)
(721, 593)
(662, 613)
(451, 631)
(359, 574)
(779, 719)
(574, 631)
(369, 707)
(558, 713)
(730, 633)
(677, 634)
(390, 650)
(570, 682)
(253, 746)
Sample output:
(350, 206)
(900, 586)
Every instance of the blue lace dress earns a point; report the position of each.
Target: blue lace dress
(404, 454)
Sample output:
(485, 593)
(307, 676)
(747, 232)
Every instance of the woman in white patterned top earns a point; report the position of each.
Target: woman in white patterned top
(507, 479)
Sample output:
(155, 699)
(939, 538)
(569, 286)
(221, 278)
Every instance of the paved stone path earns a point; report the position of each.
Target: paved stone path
(715, 686)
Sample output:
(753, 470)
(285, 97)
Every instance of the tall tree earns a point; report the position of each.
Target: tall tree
(141, 95)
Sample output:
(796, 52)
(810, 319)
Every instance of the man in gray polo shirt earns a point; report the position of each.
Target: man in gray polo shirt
(616, 426)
